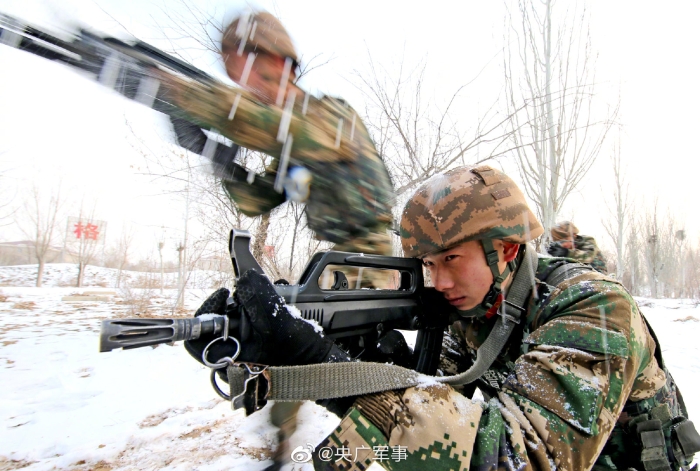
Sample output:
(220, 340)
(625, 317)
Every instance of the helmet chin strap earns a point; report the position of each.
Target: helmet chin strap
(494, 297)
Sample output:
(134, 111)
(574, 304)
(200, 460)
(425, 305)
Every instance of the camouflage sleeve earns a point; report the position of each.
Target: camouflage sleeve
(556, 411)
(321, 130)
(587, 357)
(454, 357)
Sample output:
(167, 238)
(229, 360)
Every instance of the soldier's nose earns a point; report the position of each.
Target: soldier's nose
(441, 282)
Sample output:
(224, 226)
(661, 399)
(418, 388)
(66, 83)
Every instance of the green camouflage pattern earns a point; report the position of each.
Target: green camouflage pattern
(467, 203)
(350, 193)
(432, 427)
(564, 230)
(586, 251)
(558, 397)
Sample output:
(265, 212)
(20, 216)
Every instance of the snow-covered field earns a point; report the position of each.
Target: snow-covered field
(63, 405)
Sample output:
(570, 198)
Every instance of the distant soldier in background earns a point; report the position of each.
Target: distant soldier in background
(566, 242)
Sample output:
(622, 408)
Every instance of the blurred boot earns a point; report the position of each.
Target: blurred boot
(284, 416)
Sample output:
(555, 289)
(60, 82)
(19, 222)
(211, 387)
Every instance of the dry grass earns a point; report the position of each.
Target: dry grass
(137, 301)
(157, 419)
(686, 319)
(8, 464)
(27, 305)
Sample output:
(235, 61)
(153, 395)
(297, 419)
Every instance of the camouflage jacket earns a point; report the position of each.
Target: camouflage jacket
(554, 397)
(351, 193)
(586, 251)
(583, 353)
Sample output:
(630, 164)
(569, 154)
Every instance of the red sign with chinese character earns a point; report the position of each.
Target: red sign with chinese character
(87, 230)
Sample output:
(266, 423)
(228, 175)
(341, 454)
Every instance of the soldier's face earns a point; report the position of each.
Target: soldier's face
(260, 73)
(461, 273)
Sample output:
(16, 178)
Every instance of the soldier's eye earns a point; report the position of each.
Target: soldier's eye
(450, 257)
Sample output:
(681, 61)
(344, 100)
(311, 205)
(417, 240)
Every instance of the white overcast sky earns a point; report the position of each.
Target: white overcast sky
(646, 50)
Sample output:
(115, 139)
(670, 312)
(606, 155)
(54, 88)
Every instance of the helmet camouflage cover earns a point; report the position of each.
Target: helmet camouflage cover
(258, 32)
(565, 230)
(467, 203)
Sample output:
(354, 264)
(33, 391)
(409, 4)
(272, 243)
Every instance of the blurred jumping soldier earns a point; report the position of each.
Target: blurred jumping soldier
(570, 371)
(568, 243)
(322, 152)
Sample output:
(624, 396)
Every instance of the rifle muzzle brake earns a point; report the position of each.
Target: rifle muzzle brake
(135, 333)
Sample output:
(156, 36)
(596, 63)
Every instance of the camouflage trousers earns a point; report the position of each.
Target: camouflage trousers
(432, 427)
(376, 242)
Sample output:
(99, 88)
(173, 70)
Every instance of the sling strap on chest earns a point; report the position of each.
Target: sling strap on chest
(250, 387)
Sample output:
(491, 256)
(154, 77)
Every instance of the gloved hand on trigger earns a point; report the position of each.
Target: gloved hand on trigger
(267, 332)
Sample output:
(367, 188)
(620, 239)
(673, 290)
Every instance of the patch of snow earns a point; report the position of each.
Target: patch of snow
(66, 406)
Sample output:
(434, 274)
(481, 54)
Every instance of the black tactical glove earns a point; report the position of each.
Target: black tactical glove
(556, 250)
(392, 348)
(267, 332)
(270, 335)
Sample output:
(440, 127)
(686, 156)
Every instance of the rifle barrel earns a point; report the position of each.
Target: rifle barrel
(135, 333)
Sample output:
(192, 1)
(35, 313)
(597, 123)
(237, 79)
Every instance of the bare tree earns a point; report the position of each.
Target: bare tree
(88, 239)
(123, 251)
(634, 276)
(616, 224)
(549, 70)
(415, 136)
(661, 252)
(42, 223)
(197, 28)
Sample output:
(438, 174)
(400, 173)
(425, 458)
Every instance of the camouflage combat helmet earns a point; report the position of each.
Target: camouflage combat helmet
(258, 32)
(467, 203)
(564, 230)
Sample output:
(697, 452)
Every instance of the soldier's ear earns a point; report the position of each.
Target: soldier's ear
(510, 251)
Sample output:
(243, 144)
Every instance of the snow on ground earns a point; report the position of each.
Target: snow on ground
(65, 406)
(66, 274)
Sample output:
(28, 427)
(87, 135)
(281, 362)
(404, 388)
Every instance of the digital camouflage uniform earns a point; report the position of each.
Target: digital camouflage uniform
(586, 251)
(575, 388)
(350, 195)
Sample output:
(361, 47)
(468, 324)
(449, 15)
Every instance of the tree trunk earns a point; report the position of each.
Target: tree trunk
(261, 237)
(81, 272)
(40, 274)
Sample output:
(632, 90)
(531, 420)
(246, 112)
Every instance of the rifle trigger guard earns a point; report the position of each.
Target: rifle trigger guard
(256, 387)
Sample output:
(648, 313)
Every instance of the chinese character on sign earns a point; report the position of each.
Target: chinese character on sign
(78, 230)
(87, 231)
(91, 231)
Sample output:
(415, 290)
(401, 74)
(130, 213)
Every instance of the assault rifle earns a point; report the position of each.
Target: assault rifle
(129, 69)
(355, 318)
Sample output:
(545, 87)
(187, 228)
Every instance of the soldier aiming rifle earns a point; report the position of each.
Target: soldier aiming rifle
(570, 370)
